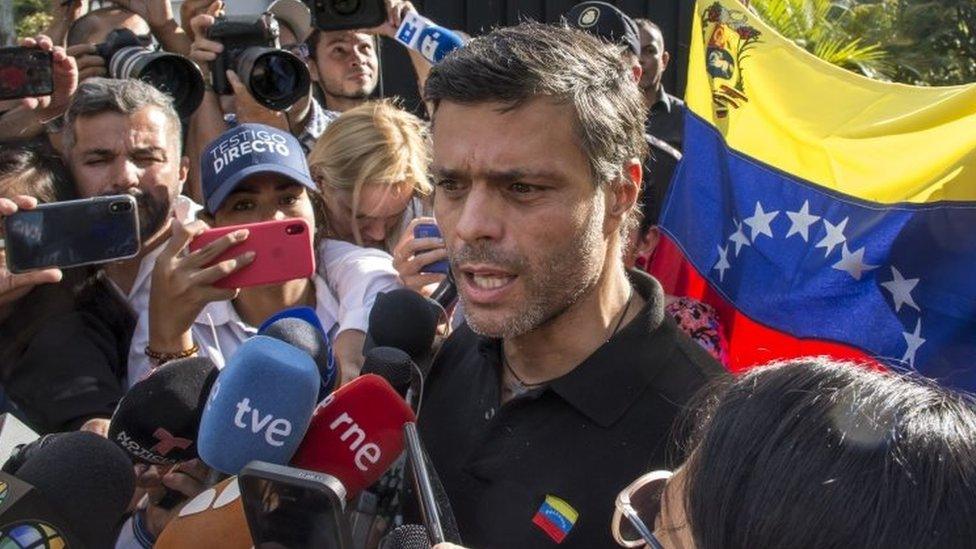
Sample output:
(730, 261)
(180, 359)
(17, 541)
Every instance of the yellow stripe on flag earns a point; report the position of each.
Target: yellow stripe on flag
(563, 508)
(873, 140)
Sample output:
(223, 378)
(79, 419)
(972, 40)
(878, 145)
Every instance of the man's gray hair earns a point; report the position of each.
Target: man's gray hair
(122, 96)
(513, 65)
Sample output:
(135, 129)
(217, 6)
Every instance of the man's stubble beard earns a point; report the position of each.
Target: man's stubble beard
(562, 278)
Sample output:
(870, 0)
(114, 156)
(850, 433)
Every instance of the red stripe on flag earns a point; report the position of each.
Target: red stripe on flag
(549, 528)
(750, 343)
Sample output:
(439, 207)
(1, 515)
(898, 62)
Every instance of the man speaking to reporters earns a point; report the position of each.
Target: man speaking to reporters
(564, 382)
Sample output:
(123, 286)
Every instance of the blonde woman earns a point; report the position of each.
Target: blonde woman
(371, 167)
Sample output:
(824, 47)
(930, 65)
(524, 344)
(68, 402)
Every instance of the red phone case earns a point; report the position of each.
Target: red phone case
(283, 251)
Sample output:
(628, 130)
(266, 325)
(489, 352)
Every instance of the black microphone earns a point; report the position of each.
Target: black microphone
(157, 421)
(309, 338)
(79, 484)
(405, 320)
(446, 293)
(435, 507)
(23, 452)
(396, 367)
(407, 536)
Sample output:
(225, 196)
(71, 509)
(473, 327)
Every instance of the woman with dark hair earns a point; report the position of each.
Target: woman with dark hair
(815, 453)
(63, 347)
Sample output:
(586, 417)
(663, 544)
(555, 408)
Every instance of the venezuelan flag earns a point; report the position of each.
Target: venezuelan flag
(821, 212)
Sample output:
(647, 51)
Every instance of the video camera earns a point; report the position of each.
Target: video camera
(276, 78)
(129, 56)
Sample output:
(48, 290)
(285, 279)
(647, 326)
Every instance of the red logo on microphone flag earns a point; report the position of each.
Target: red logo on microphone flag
(167, 442)
(556, 518)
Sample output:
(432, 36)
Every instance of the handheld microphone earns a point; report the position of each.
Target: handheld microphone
(405, 320)
(260, 406)
(23, 452)
(433, 41)
(304, 335)
(356, 433)
(76, 486)
(396, 367)
(407, 536)
(422, 484)
(215, 518)
(446, 293)
(157, 421)
(301, 312)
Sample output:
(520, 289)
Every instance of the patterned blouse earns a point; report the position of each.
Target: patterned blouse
(701, 323)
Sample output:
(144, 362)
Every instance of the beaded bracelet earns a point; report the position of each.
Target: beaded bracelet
(163, 358)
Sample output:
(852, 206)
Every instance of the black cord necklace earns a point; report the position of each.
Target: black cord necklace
(519, 387)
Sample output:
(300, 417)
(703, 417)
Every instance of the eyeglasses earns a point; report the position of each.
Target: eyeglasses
(637, 507)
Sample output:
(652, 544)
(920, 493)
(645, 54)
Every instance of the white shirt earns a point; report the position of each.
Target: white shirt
(348, 280)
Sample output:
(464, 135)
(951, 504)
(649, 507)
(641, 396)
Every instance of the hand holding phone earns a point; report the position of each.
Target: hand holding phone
(64, 79)
(15, 286)
(420, 257)
(72, 233)
(282, 251)
(25, 72)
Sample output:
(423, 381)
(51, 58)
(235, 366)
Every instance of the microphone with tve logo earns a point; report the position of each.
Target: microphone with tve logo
(260, 406)
(356, 433)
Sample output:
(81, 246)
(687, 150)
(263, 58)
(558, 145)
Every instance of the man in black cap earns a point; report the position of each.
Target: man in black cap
(665, 119)
(612, 25)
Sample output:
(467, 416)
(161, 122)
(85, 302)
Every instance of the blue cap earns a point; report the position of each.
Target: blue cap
(245, 150)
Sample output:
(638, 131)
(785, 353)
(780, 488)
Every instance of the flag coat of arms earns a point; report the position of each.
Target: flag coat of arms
(821, 212)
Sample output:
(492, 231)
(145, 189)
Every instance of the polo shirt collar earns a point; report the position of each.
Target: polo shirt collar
(663, 102)
(608, 382)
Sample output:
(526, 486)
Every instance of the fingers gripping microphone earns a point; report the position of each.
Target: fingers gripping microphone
(77, 485)
(259, 407)
(157, 421)
(356, 434)
(304, 335)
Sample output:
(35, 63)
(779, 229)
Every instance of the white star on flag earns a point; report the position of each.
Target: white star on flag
(835, 236)
(800, 221)
(853, 263)
(759, 222)
(914, 341)
(723, 262)
(901, 290)
(739, 238)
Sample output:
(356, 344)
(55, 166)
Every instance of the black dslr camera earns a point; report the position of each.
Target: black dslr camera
(276, 78)
(129, 56)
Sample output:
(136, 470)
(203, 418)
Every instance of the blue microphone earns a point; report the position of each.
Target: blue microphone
(300, 333)
(433, 41)
(259, 407)
(301, 312)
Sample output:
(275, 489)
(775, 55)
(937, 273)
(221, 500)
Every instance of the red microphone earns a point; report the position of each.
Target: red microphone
(356, 433)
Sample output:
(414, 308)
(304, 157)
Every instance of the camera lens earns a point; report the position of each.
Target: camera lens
(297, 228)
(276, 78)
(117, 207)
(169, 73)
(345, 7)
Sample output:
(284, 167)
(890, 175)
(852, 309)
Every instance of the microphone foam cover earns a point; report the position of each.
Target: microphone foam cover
(305, 336)
(301, 312)
(24, 452)
(215, 518)
(158, 419)
(87, 479)
(259, 407)
(391, 364)
(356, 433)
(407, 536)
(404, 319)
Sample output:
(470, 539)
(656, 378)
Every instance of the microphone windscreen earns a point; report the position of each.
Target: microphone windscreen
(157, 421)
(356, 433)
(403, 319)
(23, 453)
(299, 333)
(87, 479)
(391, 364)
(260, 406)
(407, 536)
(302, 313)
(215, 518)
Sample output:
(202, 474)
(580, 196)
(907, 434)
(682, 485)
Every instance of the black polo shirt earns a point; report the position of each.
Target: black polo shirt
(580, 439)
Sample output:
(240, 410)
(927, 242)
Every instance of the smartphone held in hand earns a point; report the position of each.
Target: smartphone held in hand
(25, 72)
(283, 251)
(72, 233)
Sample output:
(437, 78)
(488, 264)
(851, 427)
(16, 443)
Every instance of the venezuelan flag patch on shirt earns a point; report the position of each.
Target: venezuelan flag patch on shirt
(556, 518)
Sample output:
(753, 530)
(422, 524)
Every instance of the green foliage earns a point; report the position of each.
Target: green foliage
(31, 16)
(922, 42)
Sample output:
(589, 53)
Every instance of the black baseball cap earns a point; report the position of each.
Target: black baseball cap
(607, 22)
